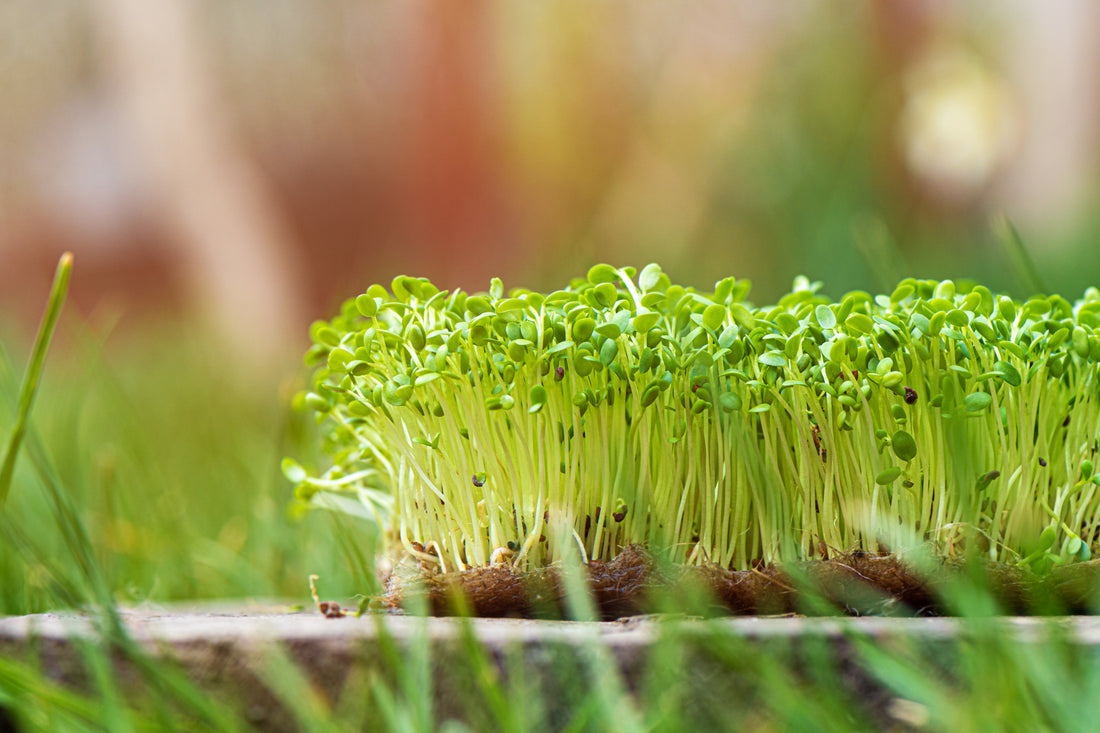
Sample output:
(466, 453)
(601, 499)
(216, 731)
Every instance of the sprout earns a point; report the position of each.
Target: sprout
(717, 430)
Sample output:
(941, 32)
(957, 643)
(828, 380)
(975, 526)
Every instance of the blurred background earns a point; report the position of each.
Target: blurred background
(227, 171)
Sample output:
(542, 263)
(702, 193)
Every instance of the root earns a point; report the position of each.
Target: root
(854, 583)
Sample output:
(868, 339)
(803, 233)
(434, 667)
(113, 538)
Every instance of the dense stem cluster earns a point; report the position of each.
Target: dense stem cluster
(625, 409)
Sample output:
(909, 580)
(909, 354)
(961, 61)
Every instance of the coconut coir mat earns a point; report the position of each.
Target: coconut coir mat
(856, 582)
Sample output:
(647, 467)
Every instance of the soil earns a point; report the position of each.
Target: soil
(854, 583)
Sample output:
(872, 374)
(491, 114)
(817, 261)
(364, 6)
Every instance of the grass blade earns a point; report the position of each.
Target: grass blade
(879, 252)
(1022, 264)
(34, 369)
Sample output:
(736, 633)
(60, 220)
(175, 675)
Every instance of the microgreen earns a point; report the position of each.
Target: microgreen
(627, 409)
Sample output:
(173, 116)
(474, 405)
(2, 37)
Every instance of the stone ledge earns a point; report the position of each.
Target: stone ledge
(275, 624)
(223, 651)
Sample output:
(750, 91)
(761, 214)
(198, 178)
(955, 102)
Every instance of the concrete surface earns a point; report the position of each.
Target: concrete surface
(225, 651)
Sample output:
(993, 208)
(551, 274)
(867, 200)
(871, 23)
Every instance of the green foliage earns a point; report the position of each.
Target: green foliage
(694, 673)
(729, 432)
(34, 371)
(168, 458)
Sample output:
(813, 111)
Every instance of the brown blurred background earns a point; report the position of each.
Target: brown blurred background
(226, 171)
(248, 163)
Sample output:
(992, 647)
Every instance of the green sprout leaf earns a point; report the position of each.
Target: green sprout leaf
(650, 276)
(503, 402)
(538, 398)
(903, 445)
(645, 321)
(293, 471)
(600, 274)
(650, 394)
(977, 401)
(327, 337)
(317, 403)
(859, 323)
(558, 348)
(477, 305)
(743, 316)
(608, 351)
(713, 317)
(986, 479)
(729, 402)
(609, 330)
(1047, 538)
(429, 442)
(1007, 372)
(605, 294)
(772, 358)
(1072, 545)
(888, 476)
(957, 318)
(614, 374)
(366, 305)
(583, 328)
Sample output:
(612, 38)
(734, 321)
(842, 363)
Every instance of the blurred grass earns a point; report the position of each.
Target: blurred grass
(699, 674)
(170, 456)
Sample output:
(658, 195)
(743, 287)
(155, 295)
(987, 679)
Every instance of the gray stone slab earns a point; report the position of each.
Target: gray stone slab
(261, 624)
(223, 650)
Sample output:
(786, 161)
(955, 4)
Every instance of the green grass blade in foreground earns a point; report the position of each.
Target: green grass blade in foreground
(24, 688)
(605, 682)
(287, 680)
(1013, 243)
(879, 251)
(88, 583)
(403, 696)
(1036, 677)
(493, 697)
(34, 370)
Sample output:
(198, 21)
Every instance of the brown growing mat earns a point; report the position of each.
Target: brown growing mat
(855, 582)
